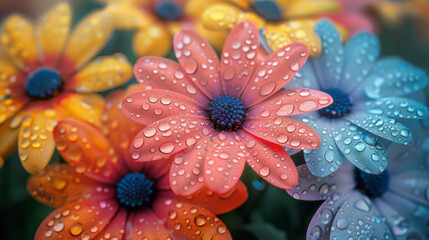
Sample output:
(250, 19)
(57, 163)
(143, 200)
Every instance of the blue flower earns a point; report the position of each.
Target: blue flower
(358, 205)
(371, 98)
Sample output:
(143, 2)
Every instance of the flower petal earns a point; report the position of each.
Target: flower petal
(283, 131)
(87, 39)
(396, 107)
(270, 161)
(360, 55)
(154, 39)
(102, 74)
(9, 135)
(161, 73)
(219, 203)
(306, 78)
(412, 185)
(168, 136)
(85, 107)
(18, 41)
(308, 8)
(358, 210)
(10, 106)
(327, 158)
(239, 58)
(328, 65)
(220, 16)
(189, 221)
(59, 185)
(187, 169)
(127, 16)
(52, 31)
(361, 148)
(35, 140)
(199, 61)
(274, 72)
(387, 128)
(147, 225)
(392, 76)
(116, 227)
(290, 102)
(86, 149)
(224, 162)
(314, 188)
(148, 106)
(82, 219)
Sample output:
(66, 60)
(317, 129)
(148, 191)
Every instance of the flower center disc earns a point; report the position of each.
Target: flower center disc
(372, 185)
(341, 106)
(43, 83)
(135, 190)
(268, 9)
(168, 10)
(226, 113)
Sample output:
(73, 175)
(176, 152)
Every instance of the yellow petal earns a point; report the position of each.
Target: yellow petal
(52, 32)
(129, 16)
(36, 142)
(86, 107)
(153, 40)
(308, 8)
(288, 32)
(10, 78)
(102, 74)
(220, 17)
(9, 136)
(10, 106)
(215, 38)
(18, 40)
(88, 38)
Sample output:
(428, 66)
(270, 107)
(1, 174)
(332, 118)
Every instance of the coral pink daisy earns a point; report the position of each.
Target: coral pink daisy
(217, 115)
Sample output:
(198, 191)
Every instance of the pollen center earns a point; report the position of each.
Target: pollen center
(226, 113)
(135, 190)
(370, 184)
(268, 9)
(168, 10)
(341, 106)
(43, 83)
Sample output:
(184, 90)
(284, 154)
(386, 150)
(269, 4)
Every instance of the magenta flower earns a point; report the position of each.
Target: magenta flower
(217, 115)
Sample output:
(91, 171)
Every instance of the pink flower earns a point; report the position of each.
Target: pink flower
(217, 115)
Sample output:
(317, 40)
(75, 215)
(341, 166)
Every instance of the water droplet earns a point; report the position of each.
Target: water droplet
(200, 220)
(76, 229)
(267, 89)
(285, 110)
(294, 66)
(264, 171)
(191, 66)
(167, 148)
(307, 106)
(342, 223)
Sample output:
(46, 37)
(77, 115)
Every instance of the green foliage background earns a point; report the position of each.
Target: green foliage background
(269, 212)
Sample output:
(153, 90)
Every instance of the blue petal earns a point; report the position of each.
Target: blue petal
(358, 218)
(387, 128)
(305, 78)
(393, 76)
(396, 107)
(327, 158)
(313, 188)
(328, 65)
(360, 54)
(362, 149)
(323, 218)
(413, 185)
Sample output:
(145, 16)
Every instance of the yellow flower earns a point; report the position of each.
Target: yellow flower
(283, 21)
(157, 22)
(45, 77)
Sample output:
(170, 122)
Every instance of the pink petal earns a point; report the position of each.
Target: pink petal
(275, 71)
(187, 169)
(148, 106)
(162, 73)
(156, 170)
(199, 61)
(168, 136)
(147, 225)
(290, 102)
(224, 162)
(283, 131)
(271, 162)
(116, 227)
(239, 57)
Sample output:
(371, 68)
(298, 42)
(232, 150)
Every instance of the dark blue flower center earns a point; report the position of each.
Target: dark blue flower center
(168, 10)
(268, 9)
(370, 184)
(341, 105)
(44, 82)
(226, 113)
(135, 190)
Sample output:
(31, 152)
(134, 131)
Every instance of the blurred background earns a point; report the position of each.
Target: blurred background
(269, 212)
